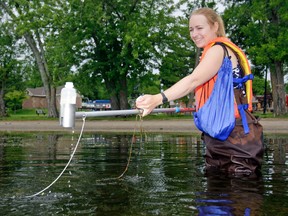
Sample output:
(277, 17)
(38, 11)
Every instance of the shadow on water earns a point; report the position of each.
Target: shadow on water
(165, 177)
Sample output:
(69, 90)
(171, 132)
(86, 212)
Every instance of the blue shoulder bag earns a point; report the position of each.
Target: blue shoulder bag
(216, 117)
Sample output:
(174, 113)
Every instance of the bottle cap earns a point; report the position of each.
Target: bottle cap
(69, 85)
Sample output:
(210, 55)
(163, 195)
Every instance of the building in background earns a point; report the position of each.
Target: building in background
(36, 98)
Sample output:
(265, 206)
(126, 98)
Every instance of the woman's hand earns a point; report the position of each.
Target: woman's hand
(148, 103)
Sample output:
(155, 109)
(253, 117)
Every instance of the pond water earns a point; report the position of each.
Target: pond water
(165, 177)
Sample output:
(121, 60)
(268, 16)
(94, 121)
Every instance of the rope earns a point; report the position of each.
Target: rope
(139, 118)
(68, 163)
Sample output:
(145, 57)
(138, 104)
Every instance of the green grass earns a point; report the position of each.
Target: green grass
(30, 114)
(268, 115)
(26, 114)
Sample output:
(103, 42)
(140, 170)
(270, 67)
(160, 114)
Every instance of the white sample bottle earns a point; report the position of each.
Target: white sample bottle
(68, 105)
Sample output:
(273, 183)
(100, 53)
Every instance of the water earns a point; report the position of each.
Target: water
(165, 177)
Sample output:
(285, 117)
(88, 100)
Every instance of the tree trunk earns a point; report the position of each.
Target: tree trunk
(42, 65)
(111, 86)
(123, 93)
(3, 77)
(3, 112)
(45, 75)
(278, 89)
(114, 102)
(119, 100)
(52, 107)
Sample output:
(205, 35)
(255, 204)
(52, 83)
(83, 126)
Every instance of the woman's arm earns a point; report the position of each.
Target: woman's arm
(205, 70)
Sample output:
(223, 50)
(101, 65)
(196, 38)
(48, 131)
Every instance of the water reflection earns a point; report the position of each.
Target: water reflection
(165, 177)
(231, 196)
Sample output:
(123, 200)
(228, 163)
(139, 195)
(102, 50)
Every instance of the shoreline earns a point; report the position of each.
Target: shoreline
(274, 126)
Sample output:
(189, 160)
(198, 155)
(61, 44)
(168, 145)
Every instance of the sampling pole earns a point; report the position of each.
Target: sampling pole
(71, 117)
(130, 112)
(68, 107)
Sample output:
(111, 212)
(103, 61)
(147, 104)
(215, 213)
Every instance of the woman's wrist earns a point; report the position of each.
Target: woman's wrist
(164, 98)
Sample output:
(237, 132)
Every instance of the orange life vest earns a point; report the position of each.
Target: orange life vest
(203, 91)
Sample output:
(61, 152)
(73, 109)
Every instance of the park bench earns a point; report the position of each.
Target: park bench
(40, 111)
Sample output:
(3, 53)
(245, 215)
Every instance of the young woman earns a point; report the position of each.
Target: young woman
(242, 151)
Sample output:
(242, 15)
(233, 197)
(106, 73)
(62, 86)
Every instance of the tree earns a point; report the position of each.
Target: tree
(14, 99)
(261, 27)
(259, 86)
(34, 21)
(107, 48)
(118, 44)
(10, 67)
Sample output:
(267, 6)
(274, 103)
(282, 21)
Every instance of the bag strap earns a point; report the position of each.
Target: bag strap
(226, 53)
(241, 107)
(205, 91)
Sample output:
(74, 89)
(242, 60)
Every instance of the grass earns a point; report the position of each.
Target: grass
(30, 114)
(26, 114)
(268, 115)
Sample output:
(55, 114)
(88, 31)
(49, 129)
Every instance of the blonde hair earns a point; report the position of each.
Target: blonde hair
(212, 17)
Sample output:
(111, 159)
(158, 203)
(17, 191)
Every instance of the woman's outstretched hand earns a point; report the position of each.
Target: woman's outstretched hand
(148, 102)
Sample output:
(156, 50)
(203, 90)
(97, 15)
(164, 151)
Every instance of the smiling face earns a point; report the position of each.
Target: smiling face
(201, 32)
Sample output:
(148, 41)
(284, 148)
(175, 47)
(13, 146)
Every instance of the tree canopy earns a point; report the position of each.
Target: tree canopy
(119, 49)
(261, 29)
